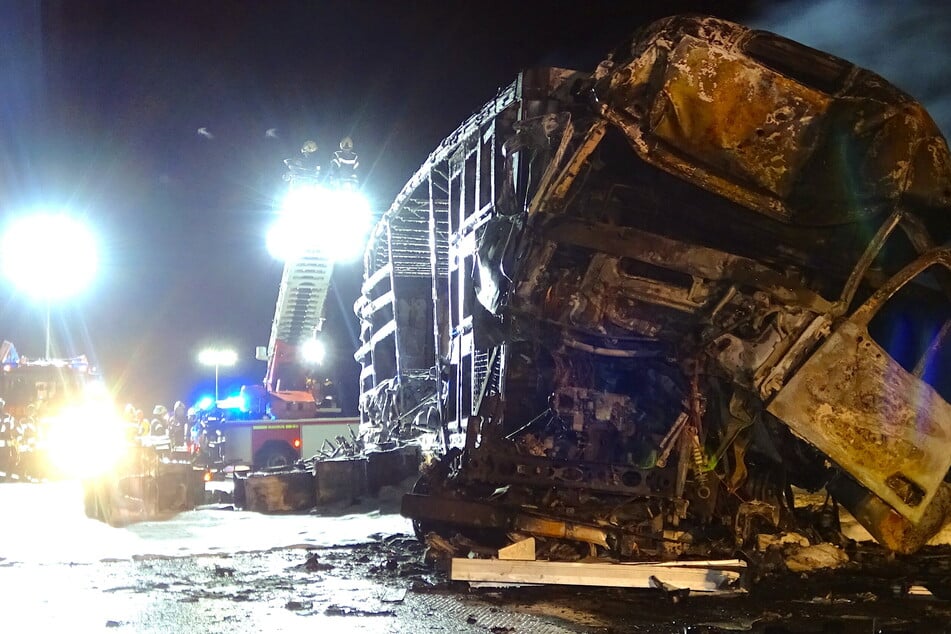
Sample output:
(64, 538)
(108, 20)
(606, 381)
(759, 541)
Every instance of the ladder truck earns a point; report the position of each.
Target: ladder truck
(296, 415)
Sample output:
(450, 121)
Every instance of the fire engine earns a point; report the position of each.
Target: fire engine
(60, 423)
(40, 396)
(28, 382)
(295, 413)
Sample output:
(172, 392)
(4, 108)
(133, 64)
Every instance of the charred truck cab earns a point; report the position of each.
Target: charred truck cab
(636, 307)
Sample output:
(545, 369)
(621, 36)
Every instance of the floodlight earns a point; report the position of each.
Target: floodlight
(313, 351)
(49, 256)
(217, 358)
(328, 222)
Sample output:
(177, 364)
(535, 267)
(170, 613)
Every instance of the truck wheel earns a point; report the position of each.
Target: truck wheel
(274, 455)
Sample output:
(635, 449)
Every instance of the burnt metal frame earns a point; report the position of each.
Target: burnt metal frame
(423, 248)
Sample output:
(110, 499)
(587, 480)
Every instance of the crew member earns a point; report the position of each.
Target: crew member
(343, 166)
(306, 167)
(179, 424)
(144, 425)
(159, 425)
(8, 441)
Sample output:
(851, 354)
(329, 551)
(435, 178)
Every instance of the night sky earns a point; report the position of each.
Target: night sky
(102, 102)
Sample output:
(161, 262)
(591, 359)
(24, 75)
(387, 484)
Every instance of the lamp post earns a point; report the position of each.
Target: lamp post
(49, 257)
(217, 357)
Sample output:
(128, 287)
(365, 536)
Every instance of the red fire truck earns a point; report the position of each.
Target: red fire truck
(295, 411)
(273, 443)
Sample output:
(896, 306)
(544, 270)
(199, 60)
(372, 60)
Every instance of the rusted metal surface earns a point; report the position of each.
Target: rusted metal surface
(884, 523)
(874, 419)
(425, 508)
(614, 298)
(785, 130)
(885, 426)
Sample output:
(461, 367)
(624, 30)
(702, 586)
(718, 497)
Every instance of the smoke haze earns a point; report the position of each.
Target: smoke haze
(907, 43)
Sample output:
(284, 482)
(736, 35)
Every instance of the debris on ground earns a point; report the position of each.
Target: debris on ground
(313, 563)
(816, 557)
(782, 541)
(523, 549)
(338, 610)
(393, 595)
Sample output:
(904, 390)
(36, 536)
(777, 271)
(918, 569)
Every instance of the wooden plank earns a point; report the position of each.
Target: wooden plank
(703, 579)
(722, 564)
(523, 550)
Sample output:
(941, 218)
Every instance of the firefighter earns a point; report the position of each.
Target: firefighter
(159, 425)
(306, 167)
(178, 424)
(343, 166)
(131, 421)
(189, 429)
(197, 429)
(28, 429)
(144, 425)
(8, 440)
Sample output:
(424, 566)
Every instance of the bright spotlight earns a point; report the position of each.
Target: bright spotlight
(49, 256)
(234, 402)
(217, 358)
(313, 218)
(213, 356)
(86, 440)
(313, 351)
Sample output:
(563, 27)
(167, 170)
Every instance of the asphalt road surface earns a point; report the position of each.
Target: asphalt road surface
(220, 570)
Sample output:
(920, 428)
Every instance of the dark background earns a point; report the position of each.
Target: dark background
(102, 102)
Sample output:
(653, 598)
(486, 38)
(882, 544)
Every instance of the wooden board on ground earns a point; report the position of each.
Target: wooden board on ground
(522, 550)
(701, 577)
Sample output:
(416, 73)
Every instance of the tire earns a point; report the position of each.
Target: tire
(275, 455)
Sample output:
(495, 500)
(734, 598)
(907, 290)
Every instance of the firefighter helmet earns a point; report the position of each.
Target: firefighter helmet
(346, 144)
(160, 410)
(309, 147)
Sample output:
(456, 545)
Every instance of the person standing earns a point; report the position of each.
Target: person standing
(306, 167)
(343, 166)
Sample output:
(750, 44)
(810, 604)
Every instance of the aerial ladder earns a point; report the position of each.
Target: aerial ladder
(293, 413)
(291, 391)
(298, 316)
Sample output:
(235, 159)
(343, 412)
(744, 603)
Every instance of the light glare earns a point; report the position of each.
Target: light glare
(329, 222)
(49, 256)
(313, 351)
(86, 440)
(233, 402)
(212, 356)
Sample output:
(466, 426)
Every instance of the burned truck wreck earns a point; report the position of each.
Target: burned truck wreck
(638, 307)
